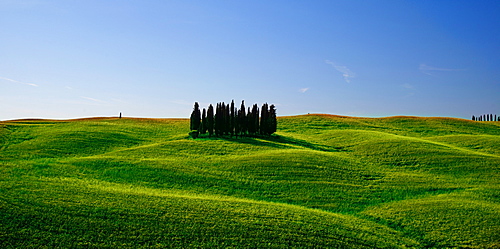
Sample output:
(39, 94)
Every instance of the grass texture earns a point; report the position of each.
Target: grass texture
(321, 181)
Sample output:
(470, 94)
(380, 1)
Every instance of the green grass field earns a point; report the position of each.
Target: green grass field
(320, 182)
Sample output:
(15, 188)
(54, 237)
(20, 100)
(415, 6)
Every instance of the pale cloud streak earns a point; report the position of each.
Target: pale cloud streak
(303, 90)
(346, 72)
(407, 86)
(426, 69)
(409, 89)
(94, 100)
(18, 82)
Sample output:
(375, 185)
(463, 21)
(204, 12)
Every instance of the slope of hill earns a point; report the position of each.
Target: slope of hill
(321, 181)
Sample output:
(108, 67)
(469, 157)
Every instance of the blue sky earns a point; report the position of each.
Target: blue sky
(69, 59)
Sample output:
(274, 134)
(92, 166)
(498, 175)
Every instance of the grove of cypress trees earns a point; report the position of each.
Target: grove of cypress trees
(228, 120)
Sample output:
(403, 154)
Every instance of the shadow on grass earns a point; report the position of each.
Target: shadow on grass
(279, 141)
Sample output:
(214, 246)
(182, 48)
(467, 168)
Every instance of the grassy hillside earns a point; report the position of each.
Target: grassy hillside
(321, 181)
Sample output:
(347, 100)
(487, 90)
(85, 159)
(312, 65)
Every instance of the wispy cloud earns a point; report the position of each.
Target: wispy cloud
(303, 90)
(94, 100)
(426, 69)
(407, 86)
(409, 90)
(346, 72)
(18, 82)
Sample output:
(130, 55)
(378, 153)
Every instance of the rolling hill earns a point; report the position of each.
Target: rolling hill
(321, 181)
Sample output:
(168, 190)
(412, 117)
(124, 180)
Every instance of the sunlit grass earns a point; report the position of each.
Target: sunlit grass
(321, 181)
(459, 219)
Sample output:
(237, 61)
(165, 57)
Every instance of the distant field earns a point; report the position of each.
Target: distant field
(321, 181)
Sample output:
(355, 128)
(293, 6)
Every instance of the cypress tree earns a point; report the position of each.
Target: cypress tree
(242, 119)
(255, 119)
(232, 118)
(473, 118)
(222, 119)
(273, 120)
(251, 129)
(237, 123)
(210, 120)
(218, 120)
(227, 120)
(203, 125)
(195, 119)
(248, 121)
(264, 119)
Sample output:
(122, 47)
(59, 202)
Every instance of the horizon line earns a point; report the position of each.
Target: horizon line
(279, 116)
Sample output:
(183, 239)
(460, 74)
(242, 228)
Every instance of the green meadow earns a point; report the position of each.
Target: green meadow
(320, 181)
